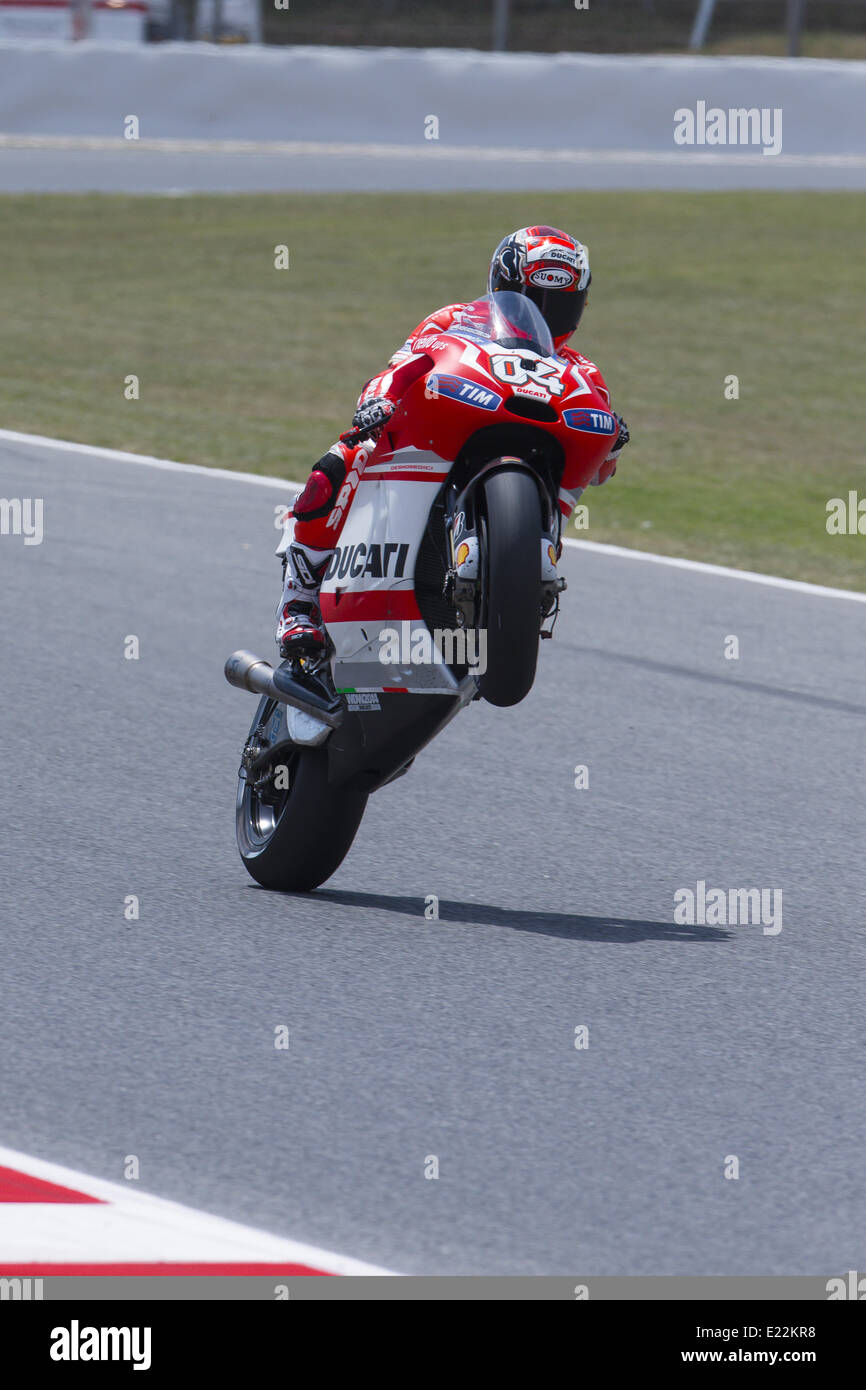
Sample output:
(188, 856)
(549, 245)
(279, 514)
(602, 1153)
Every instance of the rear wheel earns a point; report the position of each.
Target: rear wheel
(293, 828)
(510, 545)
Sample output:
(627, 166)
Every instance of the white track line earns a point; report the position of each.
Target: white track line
(65, 446)
(799, 586)
(772, 581)
(487, 154)
(127, 1226)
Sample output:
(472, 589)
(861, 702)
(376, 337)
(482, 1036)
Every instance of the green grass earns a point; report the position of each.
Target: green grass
(244, 366)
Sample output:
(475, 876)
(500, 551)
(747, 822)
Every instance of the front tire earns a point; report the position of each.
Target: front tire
(510, 536)
(292, 838)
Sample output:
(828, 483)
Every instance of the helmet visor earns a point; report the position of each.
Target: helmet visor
(561, 309)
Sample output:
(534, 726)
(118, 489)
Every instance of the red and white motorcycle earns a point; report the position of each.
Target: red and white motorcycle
(444, 580)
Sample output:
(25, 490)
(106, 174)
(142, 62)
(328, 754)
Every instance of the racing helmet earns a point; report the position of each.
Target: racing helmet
(551, 268)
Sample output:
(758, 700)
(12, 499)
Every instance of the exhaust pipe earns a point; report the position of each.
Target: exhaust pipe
(249, 672)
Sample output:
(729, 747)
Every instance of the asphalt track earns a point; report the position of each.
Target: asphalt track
(45, 164)
(454, 1038)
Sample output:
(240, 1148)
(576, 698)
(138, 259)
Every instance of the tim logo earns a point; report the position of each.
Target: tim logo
(590, 421)
(459, 388)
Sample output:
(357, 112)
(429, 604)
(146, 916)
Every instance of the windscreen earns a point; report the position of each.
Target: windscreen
(509, 319)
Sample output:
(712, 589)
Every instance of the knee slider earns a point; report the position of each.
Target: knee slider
(321, 488)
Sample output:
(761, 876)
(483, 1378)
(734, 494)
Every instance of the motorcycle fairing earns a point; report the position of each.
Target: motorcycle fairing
(369, 591)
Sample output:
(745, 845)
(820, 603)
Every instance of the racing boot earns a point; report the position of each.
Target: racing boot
(300, 630)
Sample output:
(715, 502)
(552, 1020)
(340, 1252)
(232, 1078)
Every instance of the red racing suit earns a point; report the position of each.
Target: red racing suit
(320, 511)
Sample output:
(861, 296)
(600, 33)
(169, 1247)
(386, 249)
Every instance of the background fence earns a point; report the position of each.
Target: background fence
(835, 27)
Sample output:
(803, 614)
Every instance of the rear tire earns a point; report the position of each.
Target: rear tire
(295, 839)
(511, 577)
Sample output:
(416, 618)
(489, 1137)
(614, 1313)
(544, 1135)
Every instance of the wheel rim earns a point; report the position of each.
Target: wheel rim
(260, 804)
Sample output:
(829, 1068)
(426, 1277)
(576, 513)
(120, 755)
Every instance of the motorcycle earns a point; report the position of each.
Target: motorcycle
(443, 582)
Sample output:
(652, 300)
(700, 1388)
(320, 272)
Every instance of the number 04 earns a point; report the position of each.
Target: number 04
(512, 368)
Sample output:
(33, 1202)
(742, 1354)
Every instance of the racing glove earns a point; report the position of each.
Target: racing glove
(369, 420)
(622, 438)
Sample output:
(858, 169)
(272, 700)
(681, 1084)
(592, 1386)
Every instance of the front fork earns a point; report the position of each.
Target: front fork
(463, 579)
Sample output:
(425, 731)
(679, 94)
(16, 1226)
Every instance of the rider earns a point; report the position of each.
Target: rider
(548, 266)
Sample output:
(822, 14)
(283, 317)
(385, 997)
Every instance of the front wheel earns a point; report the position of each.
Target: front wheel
(294, 828)
(510, 546)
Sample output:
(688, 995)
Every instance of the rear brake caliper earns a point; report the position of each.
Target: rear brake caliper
(256, 768)
(253, 749)
(261, 772)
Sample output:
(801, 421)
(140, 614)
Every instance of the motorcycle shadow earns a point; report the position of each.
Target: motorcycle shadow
(567, 925)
